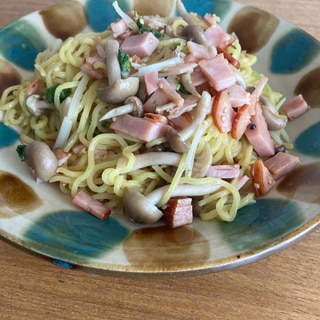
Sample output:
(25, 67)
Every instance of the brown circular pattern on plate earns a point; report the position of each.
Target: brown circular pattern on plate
(9, 76)
(163, 8)
(16, 197)
(161, 247)
(302, 184)
(65, 20)
(253, 27)
(309, 87)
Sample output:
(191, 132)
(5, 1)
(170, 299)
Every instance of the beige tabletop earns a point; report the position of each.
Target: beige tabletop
(283, 286)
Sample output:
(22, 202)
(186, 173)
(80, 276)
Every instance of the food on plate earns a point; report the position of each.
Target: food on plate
(154, 117)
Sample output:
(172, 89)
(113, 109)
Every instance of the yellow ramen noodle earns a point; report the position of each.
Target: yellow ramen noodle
(106, 177)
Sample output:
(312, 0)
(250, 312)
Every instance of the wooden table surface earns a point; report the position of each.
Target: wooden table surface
(284, 286)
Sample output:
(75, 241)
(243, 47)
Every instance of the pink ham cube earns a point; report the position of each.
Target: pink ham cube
(141, 45)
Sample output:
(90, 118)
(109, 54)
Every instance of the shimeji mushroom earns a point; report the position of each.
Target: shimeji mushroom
(118, 89)
(41, 159)
(143, 209)
(196, 34)
(151, 158)
(139, 208)
(203, 162)
(274, 121)
(178, 139)
(37, 106)
(133, 105)
(184, 13)
(192, 31)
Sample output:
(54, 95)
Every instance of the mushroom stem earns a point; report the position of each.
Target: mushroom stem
(203, 162)
(37, 106)
(152, 158)
(165, 107)
(112, 65)
(139, 208)
(118, 111)
(182, 190)
(274, 122)
(266, 102)
(184, 13)
(187, 83)
(157, 66)
(132, 105)
(201, 112)
(127, 19)
(178, 140)
(118, 89)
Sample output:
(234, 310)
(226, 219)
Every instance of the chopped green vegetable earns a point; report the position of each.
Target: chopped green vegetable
(180, 87)
(21, 148)
(124, 61)
(50, 92)
(143, 28)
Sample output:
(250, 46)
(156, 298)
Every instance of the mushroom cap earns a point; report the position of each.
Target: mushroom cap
(195, 33)
(137, 104)
(36, 105)
(274, 122)
(139, 208)
(119, 90)
(176, 142)
(203, 162)
(41, 159)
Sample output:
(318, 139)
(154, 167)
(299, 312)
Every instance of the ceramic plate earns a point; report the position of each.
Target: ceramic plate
(39, 218)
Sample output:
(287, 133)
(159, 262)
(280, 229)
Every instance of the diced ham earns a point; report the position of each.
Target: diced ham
(295, 107)
(198, 78)
(140, 128)
(281, 164)
(224, 171)
(238, 96)
(100, 46)
(216, 35)
(258, 135)
(78, 148)
(50, 142)
(151, 80)
(199, 51)
(181, 122)
(89, 67)
(262, 180)
(189, 103)
(222, 112)
(153, 22)
(157, 99)
(61, 156)
(100, 154)
(137, 60)
(141, 45)
(211, 19)
(33, 87)
(170, 91)
(93, 60)
(181, 68)
(119, 27)
(242, 181)
(91, 205)
(157, 118)
(178, 212)
(218, 72)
